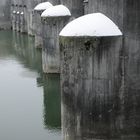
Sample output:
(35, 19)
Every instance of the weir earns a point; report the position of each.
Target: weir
(100, 72)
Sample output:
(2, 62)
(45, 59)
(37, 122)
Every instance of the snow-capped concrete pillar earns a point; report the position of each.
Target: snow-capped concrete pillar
(91, 72)
(23, 16)
(13, 16)
(37, 22)
(18, 18)
(54, 19)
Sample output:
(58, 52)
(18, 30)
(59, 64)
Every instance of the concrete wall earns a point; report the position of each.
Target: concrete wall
(75, 7)
(5, 14)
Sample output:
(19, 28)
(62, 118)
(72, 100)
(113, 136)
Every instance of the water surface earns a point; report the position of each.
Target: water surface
(29, 100)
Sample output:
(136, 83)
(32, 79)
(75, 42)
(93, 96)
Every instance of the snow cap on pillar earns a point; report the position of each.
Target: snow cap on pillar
(56, 11)
(43, 6)
(95, 25)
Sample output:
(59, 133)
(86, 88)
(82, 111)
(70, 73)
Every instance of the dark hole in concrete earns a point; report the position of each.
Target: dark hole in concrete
(87, 44)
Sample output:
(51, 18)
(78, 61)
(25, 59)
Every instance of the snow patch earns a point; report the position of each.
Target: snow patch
(18, 12)
(56, 11)
(95, 24)
(43, 6)
(14, 12)
(22, 13)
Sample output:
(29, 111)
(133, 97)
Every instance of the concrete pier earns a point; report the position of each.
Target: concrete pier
(37, 22)
(18, 18)
(52, 25)
(23, 22)
(90, 79)
(13, 17)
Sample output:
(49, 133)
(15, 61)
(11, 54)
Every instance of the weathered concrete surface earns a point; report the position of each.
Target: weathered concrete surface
(51, 52)
(100, 89)
(90, 81)
(111, 8)
(75, 6)
(5, 14)
(13, 16)
(23, 21)
(38, 29)
(131, 65)
(19, 21)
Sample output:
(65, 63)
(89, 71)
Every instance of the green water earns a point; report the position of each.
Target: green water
(29, 100)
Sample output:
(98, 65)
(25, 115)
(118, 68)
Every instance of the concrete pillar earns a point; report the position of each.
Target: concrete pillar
(126, 14)
(18, 18)
(75, 6)
(37, 22)
(5, 15)
(52, 25)
(13, 16)
(131, 58)
(23, 16)
(91, 79)
(38, 30)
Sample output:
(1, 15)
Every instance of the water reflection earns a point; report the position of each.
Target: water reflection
(52, 116)
(30, 99)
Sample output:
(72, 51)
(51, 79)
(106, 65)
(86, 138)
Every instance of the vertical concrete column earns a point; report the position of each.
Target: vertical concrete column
(125, 13)
(131, 59)
(18, 18)
(37, 22)
(22, 20)
(75, 6)
(90, 48)
(24, 17)
(13, 16)
(54, 21)
(85, 3)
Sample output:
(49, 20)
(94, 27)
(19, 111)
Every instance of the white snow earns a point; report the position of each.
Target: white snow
(95, 24)
(43, 6)
(56, 11)
(14, 12)
(17, 12)
(22, 13)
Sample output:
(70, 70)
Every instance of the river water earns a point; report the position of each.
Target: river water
(29, 100)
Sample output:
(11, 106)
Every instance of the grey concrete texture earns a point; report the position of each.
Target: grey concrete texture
(100, 81)
(51, 28)
(90, 83)
(75, 6)
(38, 29)
(5, 17)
